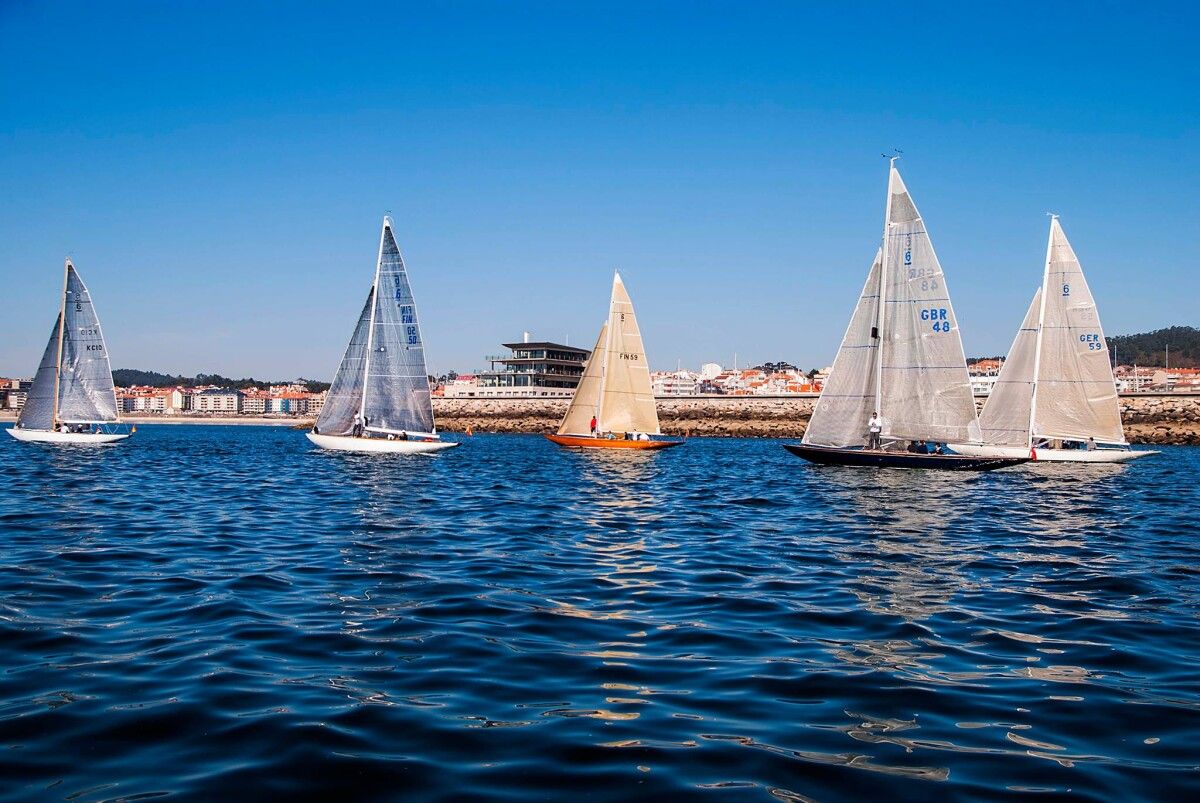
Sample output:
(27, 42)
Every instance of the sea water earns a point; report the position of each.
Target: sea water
(210, 612)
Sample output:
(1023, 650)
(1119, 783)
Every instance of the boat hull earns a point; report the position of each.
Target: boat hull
(67, 438)
(588, 442)
(868, 458)
(1053, 455)
(343, 443)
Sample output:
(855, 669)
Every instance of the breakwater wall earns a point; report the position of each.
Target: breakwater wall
(1149, 418)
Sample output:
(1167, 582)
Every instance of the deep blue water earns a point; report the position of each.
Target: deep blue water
(216, 612)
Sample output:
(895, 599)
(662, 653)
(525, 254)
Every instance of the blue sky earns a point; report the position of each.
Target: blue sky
(218, 170)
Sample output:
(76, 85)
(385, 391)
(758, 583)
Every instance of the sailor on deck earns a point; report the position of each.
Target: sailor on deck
(874, 430)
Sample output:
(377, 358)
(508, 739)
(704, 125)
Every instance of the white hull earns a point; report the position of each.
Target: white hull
(75, 438)
(343, 443)
(1052, 455)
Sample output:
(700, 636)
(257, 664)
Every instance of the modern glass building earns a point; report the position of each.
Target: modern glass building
(534, 369)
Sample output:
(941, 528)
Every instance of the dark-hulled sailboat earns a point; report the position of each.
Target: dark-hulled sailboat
(901, 363)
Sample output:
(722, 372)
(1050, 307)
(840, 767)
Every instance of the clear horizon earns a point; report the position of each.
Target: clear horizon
(218, 171)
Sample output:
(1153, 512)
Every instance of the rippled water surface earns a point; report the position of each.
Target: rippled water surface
(210, 612)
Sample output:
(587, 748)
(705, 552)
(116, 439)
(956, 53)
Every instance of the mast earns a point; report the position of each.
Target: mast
(879, 312)
(1037, 349)
(607, 349)
(362, 407)
(62, 319)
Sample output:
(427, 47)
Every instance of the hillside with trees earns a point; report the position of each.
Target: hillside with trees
(1150, 348)
(124, 377)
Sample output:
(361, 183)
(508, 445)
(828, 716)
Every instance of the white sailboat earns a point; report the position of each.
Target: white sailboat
(1056, 387)
(72, 399)
(613, 405)
(900, 373)
(379, 400)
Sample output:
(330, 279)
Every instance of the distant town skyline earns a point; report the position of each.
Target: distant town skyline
(218, 171)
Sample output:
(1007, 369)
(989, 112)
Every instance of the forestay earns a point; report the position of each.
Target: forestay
(1005, 418)
(344, 397)
(397, 395)
(38, 410)
(848, 398)
(926, 390)
(1076, 395)
(86, 392)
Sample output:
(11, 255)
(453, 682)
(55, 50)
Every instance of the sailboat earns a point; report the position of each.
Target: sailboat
(72, 399)
(900, 367)
(1056, 387)
(379, 400)
(613, 406)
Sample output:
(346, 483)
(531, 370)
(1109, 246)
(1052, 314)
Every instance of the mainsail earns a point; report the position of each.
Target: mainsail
(616, 383)
(74, 379)
(86, 393)
(382, 375)
(925, 388)
(1074, 396)
(906, 363)
(1005, 417)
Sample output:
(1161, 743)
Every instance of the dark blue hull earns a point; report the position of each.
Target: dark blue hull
(867, 458)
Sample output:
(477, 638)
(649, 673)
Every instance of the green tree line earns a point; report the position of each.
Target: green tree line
(124, 377)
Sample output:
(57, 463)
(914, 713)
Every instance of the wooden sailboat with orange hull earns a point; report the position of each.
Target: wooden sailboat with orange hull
(593, 442)
(613, 406)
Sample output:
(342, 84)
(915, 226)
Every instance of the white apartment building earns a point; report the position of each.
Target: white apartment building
(674, 383)
(217, 400)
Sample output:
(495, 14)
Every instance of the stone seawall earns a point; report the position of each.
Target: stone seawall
(1148, 418)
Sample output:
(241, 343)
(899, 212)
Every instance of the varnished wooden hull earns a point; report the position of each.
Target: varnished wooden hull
(869, 458)
(587, 442)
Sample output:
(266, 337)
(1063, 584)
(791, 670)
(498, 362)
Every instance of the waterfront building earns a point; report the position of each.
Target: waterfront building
(13, 392)
(538, 369)
(983, 374)
(289, 403)
(255, 401)
(218, 400)
(674, 383)
(315, 403)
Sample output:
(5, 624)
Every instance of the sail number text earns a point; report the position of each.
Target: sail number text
(1093, 341)
(941, 322)
(628, 356)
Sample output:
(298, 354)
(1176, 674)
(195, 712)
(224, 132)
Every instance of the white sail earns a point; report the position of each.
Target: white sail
(38, 410)
(343, 400)
(1005, 418)
(624, 401)
(585, 402)
(396, 398)
(848, 398)
(925, 390)
(1076, 397)
(86, 393)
